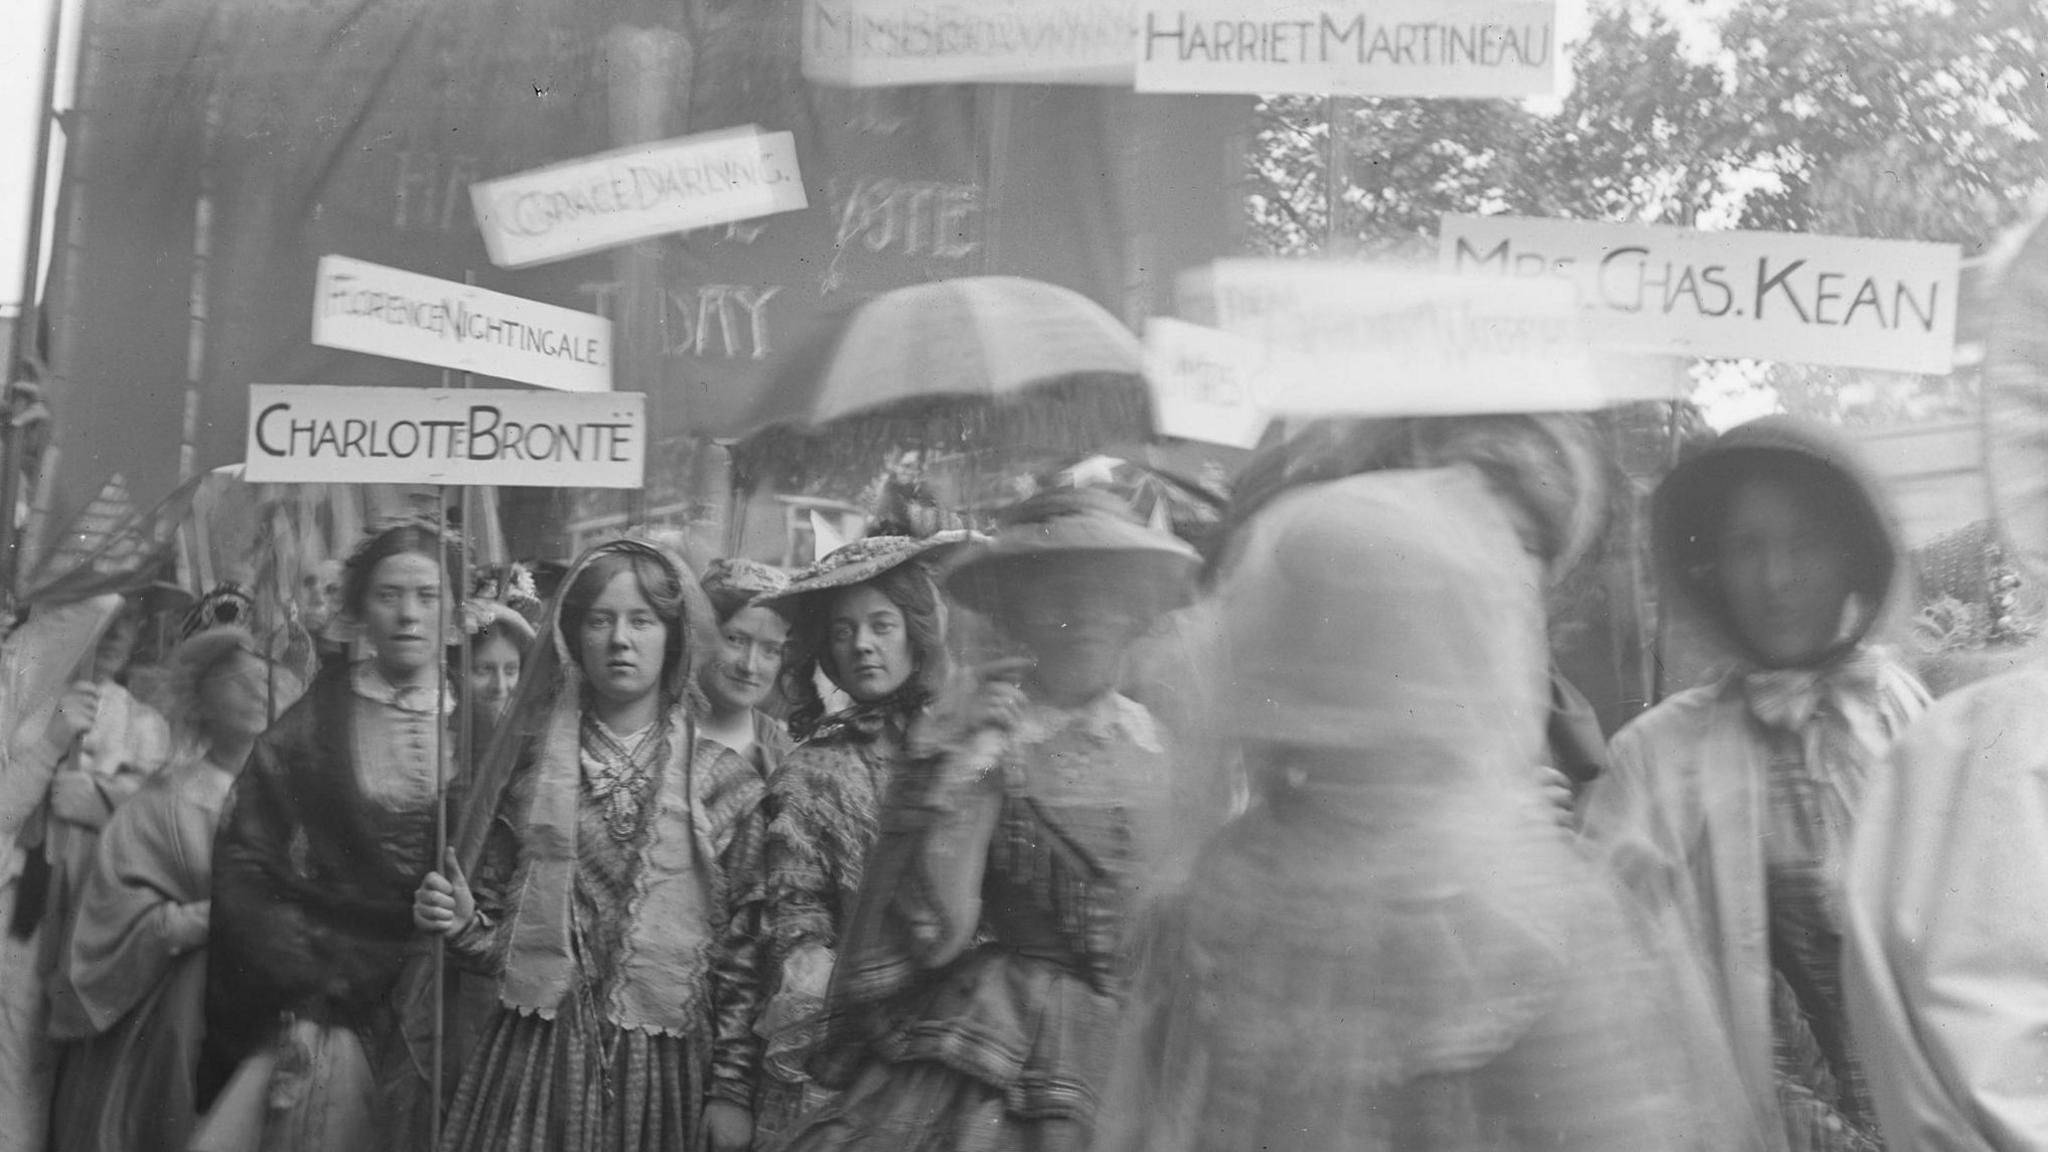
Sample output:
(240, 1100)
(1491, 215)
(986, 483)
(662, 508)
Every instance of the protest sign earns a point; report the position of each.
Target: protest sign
(315, 434)
(1424, 48)
(882, 43)
(364, 307)
(1886, 304)
(1356, 340)
(1203, 382)
(636, 193)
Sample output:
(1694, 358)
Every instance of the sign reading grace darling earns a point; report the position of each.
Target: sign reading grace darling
(1424, 48)
(1885, 304)
(363, 307)
(311, 434)
(635, 193)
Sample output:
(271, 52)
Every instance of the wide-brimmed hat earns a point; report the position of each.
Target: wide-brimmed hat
(734, 583)
(1076, 526)
(865, 559)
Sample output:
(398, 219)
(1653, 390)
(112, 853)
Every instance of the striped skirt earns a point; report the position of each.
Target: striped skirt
(576, 1083)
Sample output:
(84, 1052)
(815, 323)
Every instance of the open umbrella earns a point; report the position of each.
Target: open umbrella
(949, 367)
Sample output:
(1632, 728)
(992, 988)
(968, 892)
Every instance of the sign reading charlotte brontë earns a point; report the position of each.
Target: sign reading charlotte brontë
(363, 307)
(1886, 304)
(1425, 48)
(881, 43)
(307, 434)
(635, 193)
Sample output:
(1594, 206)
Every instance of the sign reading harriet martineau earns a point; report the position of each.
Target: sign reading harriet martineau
(1885, 304)
(315, 434)
(363, 307)
(1425, 48)
(636, 193)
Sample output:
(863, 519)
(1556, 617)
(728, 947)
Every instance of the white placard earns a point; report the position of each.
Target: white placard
(1357, 340)
(635, 193)
(364, 307)
(1426, 48)
(318, 434)
(882, 43)
(1887, 304)
(1203, 382)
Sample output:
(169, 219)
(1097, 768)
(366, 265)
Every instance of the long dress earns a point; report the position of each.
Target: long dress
(329, 832)
(1728, 810)
(138, 966)
(970, 1018)
(823, 808)
(659, 980)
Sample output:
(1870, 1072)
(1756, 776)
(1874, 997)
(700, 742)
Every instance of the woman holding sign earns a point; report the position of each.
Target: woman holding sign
(329, 829)
(618, 893)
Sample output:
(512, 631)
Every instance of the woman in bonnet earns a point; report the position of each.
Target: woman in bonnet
(137, 958)
(868, 617)
(741, 672)
(978, 983)
(1729, 807)
(1396, 948)
(617, 897)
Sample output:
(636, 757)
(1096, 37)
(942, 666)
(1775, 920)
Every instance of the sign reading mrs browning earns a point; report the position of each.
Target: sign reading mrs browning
(312, 434)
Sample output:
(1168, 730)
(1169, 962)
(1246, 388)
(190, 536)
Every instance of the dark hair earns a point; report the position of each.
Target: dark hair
(413, 539)
(909, 587)
(660, 585)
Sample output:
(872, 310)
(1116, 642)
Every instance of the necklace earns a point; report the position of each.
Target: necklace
(617, 772)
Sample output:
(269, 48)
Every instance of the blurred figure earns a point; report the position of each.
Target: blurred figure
(1396, 948)
(869, 618)
(99, 748)
(329, 830)
(978, 983)
(739, 676)
(498, 640)
(1945, 953)
(1729, 808)
(618, 895)
(137, 959)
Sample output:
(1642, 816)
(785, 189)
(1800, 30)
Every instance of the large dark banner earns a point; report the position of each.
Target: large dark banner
(223, 147)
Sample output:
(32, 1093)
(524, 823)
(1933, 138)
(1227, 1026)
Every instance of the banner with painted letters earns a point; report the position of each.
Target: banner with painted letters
(335, 435)
(1885, 304)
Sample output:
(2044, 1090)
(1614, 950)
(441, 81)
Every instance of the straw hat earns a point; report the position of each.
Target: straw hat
(734, 583)
(1070, 526)
(863, 560)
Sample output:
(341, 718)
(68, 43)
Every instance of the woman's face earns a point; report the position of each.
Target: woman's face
(1784, 572)
(749, 658)
(1077, 626)
(869, 643)
(401, 614)
(493, 674)
(623, 640)
(236, 697)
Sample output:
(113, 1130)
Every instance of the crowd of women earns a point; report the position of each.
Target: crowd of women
(887, 854)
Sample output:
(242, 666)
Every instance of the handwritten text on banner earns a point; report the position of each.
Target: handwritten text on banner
(1425, 48)
(1886, 304)
(363, 307)
(306, 434)
(635, 193)
(880, 43)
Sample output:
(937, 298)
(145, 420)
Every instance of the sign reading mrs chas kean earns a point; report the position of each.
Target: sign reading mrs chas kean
(319, 434)
(1884, 304)
(637, 193)
(881, 43)
(1421, 48)
(363, 307)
